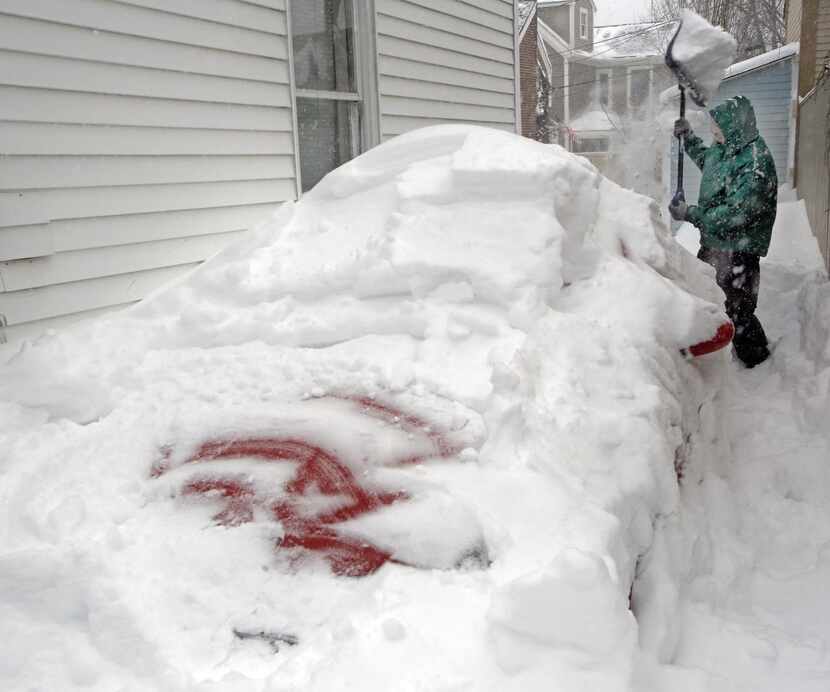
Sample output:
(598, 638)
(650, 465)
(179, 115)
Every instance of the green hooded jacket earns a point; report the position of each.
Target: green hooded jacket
(739, 191)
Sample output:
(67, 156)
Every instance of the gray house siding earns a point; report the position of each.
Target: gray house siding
(558, 92)
(582, 87)
(558, 19)
(445, 61)
(579, 42)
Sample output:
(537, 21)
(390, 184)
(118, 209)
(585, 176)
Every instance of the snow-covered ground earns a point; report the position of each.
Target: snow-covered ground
(477, 339)
(756, 607)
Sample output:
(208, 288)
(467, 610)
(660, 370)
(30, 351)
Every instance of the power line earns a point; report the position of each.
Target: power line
(621, 38)
(645, 31)
(594, 81)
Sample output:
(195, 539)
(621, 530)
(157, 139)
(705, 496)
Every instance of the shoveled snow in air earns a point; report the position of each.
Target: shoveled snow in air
(704, 51)
(414, 433)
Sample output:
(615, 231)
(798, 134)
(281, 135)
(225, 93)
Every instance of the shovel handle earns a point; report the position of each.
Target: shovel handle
(680, 195)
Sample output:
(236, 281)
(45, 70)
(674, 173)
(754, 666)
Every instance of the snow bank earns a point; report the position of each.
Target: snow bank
(475, 325)
(704, 52)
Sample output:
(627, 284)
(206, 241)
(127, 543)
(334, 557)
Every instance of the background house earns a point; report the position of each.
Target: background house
(138, 138)
(566, 31)
(808, 21)
(600, 88)
(529, 68)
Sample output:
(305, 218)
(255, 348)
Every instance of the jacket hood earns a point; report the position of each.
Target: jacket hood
(736, 119)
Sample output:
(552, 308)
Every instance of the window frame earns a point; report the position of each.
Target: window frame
(365, 97)
(605, 138)
(648, 98)
(609, 72)
(583, 12)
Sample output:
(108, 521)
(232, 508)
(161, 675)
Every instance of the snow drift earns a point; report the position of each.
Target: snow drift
(497, 291)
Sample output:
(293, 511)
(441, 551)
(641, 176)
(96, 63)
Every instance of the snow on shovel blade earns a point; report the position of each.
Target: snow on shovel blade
(698, 55)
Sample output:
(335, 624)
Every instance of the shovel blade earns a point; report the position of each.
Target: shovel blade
(684, 78)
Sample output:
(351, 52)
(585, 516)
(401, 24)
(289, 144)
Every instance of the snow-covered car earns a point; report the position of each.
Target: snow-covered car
(413, 433)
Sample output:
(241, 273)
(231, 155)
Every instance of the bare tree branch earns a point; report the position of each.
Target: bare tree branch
(757, 25)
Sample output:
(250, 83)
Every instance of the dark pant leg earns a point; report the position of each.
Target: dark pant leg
(739, 275)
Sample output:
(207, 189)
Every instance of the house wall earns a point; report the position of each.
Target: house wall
(793, 18)
(445, 61)
(814, 18)
(770, 91)
(557, 109)
(619, 90)
(822, 36)
(528, 77)
(579, 43)
(558, 19)
(136, 139)
(813, 163)
(139, 137)
(582, 88)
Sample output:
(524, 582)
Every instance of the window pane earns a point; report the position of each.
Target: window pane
(328, 131)
(604, 88)
(323, 35)
(590, 145)
(639, 88)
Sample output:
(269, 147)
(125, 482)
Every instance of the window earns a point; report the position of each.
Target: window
(583, 23)
(604, 88)
(590, 144)
(335, 118)
(639, 87)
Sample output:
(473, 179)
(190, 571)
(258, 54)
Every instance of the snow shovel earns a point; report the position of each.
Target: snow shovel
(698, 62)
(684, 82)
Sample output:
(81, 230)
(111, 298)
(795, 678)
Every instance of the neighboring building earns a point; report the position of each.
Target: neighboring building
(809, 22)
(138, 138)
(529, 81)
(629, 74)
(566, 30)
(770, 82)
(601, 85)
(792, 19)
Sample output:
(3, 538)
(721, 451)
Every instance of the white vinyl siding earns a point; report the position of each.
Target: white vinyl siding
(445, 61)
(137, 138)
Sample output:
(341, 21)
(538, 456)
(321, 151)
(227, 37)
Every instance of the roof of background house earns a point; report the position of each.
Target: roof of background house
(638, 40)
(759, 61)
(526, 7)
(554, 3)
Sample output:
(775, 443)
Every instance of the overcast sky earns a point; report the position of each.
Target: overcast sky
(621, 11)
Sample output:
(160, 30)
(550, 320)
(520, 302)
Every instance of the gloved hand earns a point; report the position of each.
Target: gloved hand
(682, 128)
(678, 210)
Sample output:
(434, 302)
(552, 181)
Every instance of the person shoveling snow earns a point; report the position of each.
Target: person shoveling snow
(738, 193)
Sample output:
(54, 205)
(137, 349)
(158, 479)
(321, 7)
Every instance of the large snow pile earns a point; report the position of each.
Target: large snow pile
(477, 336)
(704, 51)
